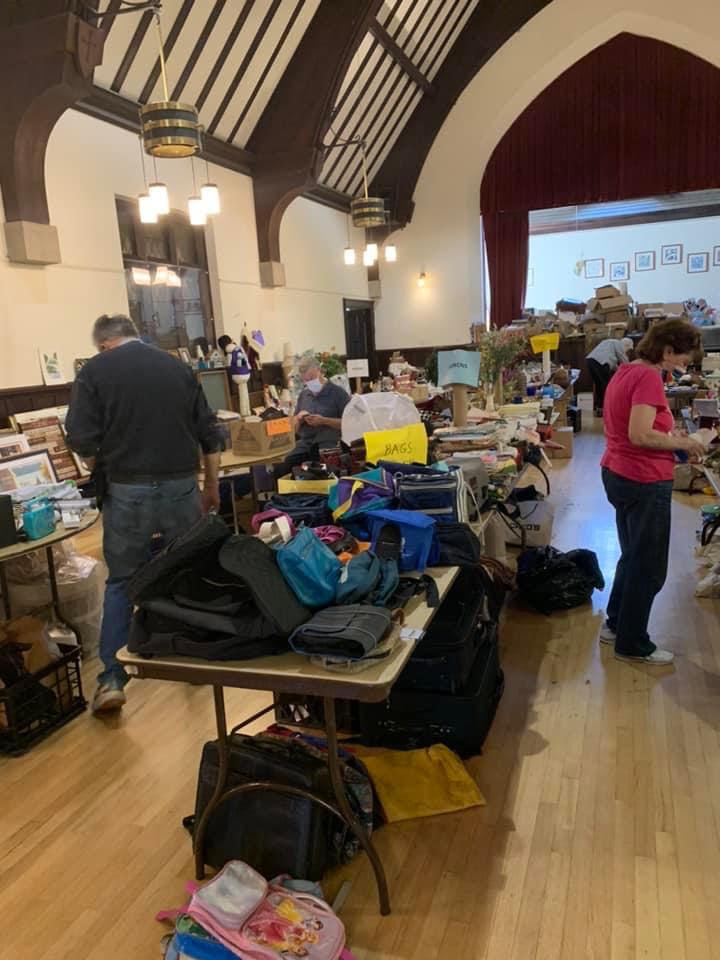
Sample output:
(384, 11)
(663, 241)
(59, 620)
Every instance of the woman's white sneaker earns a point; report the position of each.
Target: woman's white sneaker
(607, 635)
(658, 658)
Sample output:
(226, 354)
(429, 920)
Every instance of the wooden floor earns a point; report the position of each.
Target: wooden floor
(600, 839)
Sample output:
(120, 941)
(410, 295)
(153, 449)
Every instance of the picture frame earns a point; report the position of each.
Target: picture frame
(716, 256)
(619, 271)
(184, 354)
(644, 261)
(698, 262)
(50, 366)
(671, 254)
(595, 269)
(216, 387)
(26, 470)
(13, 445)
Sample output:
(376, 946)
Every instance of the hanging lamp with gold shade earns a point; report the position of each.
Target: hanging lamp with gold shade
(367, 211)
(170, 129)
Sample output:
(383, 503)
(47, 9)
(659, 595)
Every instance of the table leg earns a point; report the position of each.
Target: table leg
(346, 810)
(223, 763)
(5, 592)
(53, 582)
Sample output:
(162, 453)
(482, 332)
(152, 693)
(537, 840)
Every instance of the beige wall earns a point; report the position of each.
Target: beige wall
(444, 237)
(88, 164)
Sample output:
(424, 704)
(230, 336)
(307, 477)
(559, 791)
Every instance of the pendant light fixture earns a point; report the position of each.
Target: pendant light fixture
(146, 208)
(159, 194)
(372, 251)
(169, 128)
(349, 251)
(210, 194)
(196, 207)
(367, 211)
(368, 259)
(390, 253)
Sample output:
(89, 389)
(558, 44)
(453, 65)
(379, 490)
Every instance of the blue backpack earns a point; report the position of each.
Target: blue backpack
(311, 569)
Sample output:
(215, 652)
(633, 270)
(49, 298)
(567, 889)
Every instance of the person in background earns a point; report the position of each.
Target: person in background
(637, 472)
(602, 363)
(318, 416)
(139, 417)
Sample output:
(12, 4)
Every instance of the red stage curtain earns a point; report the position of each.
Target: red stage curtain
(507, 238)
(634, 118)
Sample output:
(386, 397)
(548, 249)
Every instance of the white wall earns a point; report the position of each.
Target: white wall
(90, 162)
(444, 237)
(553, 257)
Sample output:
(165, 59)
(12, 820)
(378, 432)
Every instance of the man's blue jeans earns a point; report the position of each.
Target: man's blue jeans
(642, 514)
(132, 514)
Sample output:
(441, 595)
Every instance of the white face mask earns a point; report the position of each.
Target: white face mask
(314, 386)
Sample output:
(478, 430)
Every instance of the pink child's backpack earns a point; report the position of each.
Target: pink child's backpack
(260, 921)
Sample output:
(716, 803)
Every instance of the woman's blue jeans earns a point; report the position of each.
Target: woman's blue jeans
(642, 514)
(132, 514)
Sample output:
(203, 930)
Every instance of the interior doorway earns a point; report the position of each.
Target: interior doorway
(360, 333)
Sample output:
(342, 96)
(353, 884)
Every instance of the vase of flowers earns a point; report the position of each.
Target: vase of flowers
(499, 349)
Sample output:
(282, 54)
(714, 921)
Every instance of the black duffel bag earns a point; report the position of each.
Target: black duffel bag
(310, 509)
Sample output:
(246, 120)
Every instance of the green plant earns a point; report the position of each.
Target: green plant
(331, 363)
(499, 349)
(431, 367)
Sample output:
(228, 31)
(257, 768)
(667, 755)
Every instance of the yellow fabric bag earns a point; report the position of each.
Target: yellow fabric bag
(400, 445)
(420, 783)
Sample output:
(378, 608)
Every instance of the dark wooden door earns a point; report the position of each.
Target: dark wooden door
(360, 333)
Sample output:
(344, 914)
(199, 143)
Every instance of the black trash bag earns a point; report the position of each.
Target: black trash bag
(551, 580)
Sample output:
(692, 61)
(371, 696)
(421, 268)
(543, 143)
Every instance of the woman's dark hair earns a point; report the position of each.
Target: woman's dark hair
(223, 341)
(679, 335)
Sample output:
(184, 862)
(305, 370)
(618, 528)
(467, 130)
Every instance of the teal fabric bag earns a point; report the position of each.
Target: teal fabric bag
(310, 568)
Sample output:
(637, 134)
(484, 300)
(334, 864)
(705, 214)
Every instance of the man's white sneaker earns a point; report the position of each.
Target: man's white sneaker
(658, 658)
(108, 698)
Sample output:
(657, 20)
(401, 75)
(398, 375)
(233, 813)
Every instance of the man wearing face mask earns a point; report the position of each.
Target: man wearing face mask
(318, 416)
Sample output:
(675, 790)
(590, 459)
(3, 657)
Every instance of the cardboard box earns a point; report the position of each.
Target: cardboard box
(614, 303)
(563, 436)
(420, 393)
(602, 293)
(260, 438)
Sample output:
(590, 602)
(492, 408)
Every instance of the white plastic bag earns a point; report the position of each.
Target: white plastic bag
(377, 411)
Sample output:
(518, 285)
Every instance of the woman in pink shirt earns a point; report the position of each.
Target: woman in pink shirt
(637, 472)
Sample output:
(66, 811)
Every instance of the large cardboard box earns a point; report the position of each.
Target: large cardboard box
(260, 438)
(614, 303)
(602, 293)
(564, 437)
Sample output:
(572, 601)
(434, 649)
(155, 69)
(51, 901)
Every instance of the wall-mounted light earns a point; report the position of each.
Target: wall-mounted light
(147, 209)
(421, 279)
(349, 256)
(390, 253)
(141, 276)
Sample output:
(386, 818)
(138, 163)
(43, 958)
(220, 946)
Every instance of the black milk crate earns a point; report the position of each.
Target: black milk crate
(41, 702)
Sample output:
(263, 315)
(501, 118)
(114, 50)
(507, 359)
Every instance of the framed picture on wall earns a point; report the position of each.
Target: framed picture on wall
(716, 256)
(645, 260)
(619, 271)
(671, 254)
(698, 262)
(595, 269)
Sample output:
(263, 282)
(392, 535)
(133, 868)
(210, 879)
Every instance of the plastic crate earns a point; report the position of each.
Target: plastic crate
(41, 702)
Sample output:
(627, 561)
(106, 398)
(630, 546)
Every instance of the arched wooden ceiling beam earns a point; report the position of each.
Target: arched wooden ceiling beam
(286, 141)
(491, 24)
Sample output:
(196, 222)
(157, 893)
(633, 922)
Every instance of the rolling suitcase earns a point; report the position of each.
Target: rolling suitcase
(443, 659)
(411, 719)
(275, 833)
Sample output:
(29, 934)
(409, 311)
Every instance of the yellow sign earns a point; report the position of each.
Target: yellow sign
(545, 341)
(402, 444)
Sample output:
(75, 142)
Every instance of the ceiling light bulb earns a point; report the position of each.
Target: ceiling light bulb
(349, 256)
(173, 279)
(141, 276)
(210, 198)
(368, 259)
(160, 198)
(148, 213)
(161, 274)
(372, 249)
(421, 279)
(196, 209)
(390, 253)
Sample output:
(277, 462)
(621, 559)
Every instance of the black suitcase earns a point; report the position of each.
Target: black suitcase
(275, 833)
(443, 659)
(412, 719)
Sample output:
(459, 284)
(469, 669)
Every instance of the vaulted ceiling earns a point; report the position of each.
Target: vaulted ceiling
(403, 65)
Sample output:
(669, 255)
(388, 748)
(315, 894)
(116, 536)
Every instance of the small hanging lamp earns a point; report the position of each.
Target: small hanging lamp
(196, 207)
(367, 211)
(169, 128)
(159, 193)
(210, 194)
(390, 253)
(146, 208)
